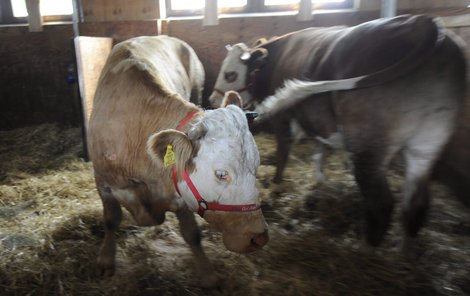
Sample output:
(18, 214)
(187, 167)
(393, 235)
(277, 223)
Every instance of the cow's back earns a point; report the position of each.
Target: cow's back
(343, 52)
(293, 55)
(138, 94)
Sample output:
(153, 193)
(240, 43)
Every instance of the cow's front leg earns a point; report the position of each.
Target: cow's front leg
(192, 235)
(283, 139)
(112, 215)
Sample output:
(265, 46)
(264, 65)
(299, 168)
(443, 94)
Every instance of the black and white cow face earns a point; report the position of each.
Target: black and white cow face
(233, 75)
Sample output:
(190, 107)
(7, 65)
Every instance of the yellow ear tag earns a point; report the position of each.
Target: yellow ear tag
(169, 158)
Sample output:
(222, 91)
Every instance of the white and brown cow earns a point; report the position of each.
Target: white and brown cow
(408, 85)
(153, 151)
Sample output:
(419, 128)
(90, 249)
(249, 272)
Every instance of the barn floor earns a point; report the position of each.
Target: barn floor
(51, 230)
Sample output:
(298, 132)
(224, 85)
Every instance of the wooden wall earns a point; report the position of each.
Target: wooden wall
(119, 10)
(33, 65)
(34, 68)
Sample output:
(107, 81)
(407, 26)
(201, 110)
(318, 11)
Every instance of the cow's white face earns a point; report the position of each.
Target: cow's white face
(227, 160)
(224, 172)
(232, 76)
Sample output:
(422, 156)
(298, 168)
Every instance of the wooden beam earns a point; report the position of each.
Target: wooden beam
(457, 21)
(34, 16)
(91, 54)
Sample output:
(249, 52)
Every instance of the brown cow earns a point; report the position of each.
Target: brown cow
(153, 151)
(409, 89)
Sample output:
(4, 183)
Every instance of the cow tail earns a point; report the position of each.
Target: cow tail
(295, 91)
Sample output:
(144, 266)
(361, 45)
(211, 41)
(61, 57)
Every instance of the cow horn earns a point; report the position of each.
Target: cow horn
(260, 41)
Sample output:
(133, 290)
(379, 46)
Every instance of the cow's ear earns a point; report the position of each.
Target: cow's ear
(258, 57)
(170, 147)
(232, 98)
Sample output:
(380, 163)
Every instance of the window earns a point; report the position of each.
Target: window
(14, 11)
(196, 7)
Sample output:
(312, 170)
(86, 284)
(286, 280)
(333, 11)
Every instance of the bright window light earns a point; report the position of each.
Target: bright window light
(199, 4)
(286, 2)
(280, 2)
(328, 1)
(47, 7)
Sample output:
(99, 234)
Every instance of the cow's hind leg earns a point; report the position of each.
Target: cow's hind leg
(192, 236)
(319, 155)
(421, 153)
(369, 170)
(112, 215)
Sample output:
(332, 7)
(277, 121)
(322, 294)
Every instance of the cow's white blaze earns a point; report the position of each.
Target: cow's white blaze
(232, 75)
(227, 146)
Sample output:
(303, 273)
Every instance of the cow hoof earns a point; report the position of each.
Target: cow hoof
(105, 268)
(409, 249)
(277, 180)
(320, 179)
(210, 281)
(277, 188)
(105, 272)
(366, 248)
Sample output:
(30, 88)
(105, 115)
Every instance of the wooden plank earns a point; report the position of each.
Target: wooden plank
(119, 31)
(116, 10)
(34, 16)
(457, 21)
(142, 10)
(91, 54)
(93, 10)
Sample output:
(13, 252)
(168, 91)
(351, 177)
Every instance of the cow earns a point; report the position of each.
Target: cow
(153, 151)
(387, 86)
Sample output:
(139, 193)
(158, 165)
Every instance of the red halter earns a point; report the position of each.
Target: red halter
(202, 203)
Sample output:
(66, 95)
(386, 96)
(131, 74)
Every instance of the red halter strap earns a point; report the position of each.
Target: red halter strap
(203, 205)
(186, 119)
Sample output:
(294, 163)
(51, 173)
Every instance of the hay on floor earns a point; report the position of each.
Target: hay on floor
(51, 231)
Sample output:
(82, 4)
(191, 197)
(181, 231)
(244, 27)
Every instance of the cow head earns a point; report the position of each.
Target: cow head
(221, 158)
(236, 72)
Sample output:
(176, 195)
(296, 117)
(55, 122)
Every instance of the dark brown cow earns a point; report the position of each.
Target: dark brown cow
(153, 151)
(409, 88)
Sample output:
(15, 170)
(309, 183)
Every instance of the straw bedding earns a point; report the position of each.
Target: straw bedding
(51, 230)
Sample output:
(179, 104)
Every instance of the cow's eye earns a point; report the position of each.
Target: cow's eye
(230, 76)
(222, 175)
